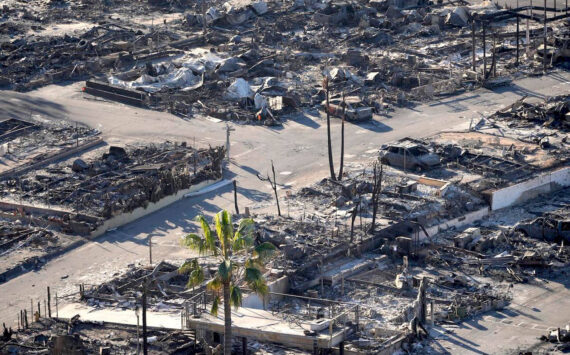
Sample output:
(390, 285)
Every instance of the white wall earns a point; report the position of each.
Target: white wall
(530, 189)
(252, 300)
(139, 212)
(456, 222)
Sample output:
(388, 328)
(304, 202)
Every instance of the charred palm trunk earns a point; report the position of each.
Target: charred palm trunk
(331, 166)
(342, 138)
(227, 320)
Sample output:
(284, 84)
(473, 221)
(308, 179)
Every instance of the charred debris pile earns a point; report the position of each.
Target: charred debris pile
(49, 335)
(24, 143)
(94, 189)
(261, 61)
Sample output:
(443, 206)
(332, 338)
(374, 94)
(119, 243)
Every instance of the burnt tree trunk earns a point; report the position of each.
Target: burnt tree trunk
(331, 165)
(352, 219)
(235, 197)
(273, 184)
(376, 190)
(342, 138)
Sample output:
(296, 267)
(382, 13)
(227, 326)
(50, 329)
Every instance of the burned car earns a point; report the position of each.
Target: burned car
(549, 228)
(408, 154)
(356, 109)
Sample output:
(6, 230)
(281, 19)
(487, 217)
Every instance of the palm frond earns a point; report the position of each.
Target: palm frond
(225, 270)
(254, 279)
(259, 287)
(263, 251)
(253, 263)
(196, 278)
(215, 306)
(194, 242)
(224, 229)
(214, 284)
(252, 274)
(235, 296)
(243, 237)
(209, 241)
(188, 267)
(194, 271)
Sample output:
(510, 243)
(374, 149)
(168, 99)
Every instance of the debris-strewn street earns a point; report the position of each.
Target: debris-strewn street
(284, 177)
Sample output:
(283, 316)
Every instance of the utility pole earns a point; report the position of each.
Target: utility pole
(228, 130)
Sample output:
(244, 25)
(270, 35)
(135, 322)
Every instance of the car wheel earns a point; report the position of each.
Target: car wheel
(418, 168)
(384, 161)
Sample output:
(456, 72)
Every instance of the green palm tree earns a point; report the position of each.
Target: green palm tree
(231, 272)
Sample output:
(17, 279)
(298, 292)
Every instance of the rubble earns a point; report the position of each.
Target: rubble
(115, 182)
(26, 145)
(391, 53)
(428, 223)
(52, 335)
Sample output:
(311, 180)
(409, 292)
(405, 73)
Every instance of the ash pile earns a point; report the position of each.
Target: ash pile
(24, 247)
(553, 113)
(165, 285)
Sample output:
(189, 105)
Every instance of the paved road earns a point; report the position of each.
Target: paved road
(298, 149)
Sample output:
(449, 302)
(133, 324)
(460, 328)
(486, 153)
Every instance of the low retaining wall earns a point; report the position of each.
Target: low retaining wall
(524, 191)
(124, 218)
(109, 224)
(456, 222)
